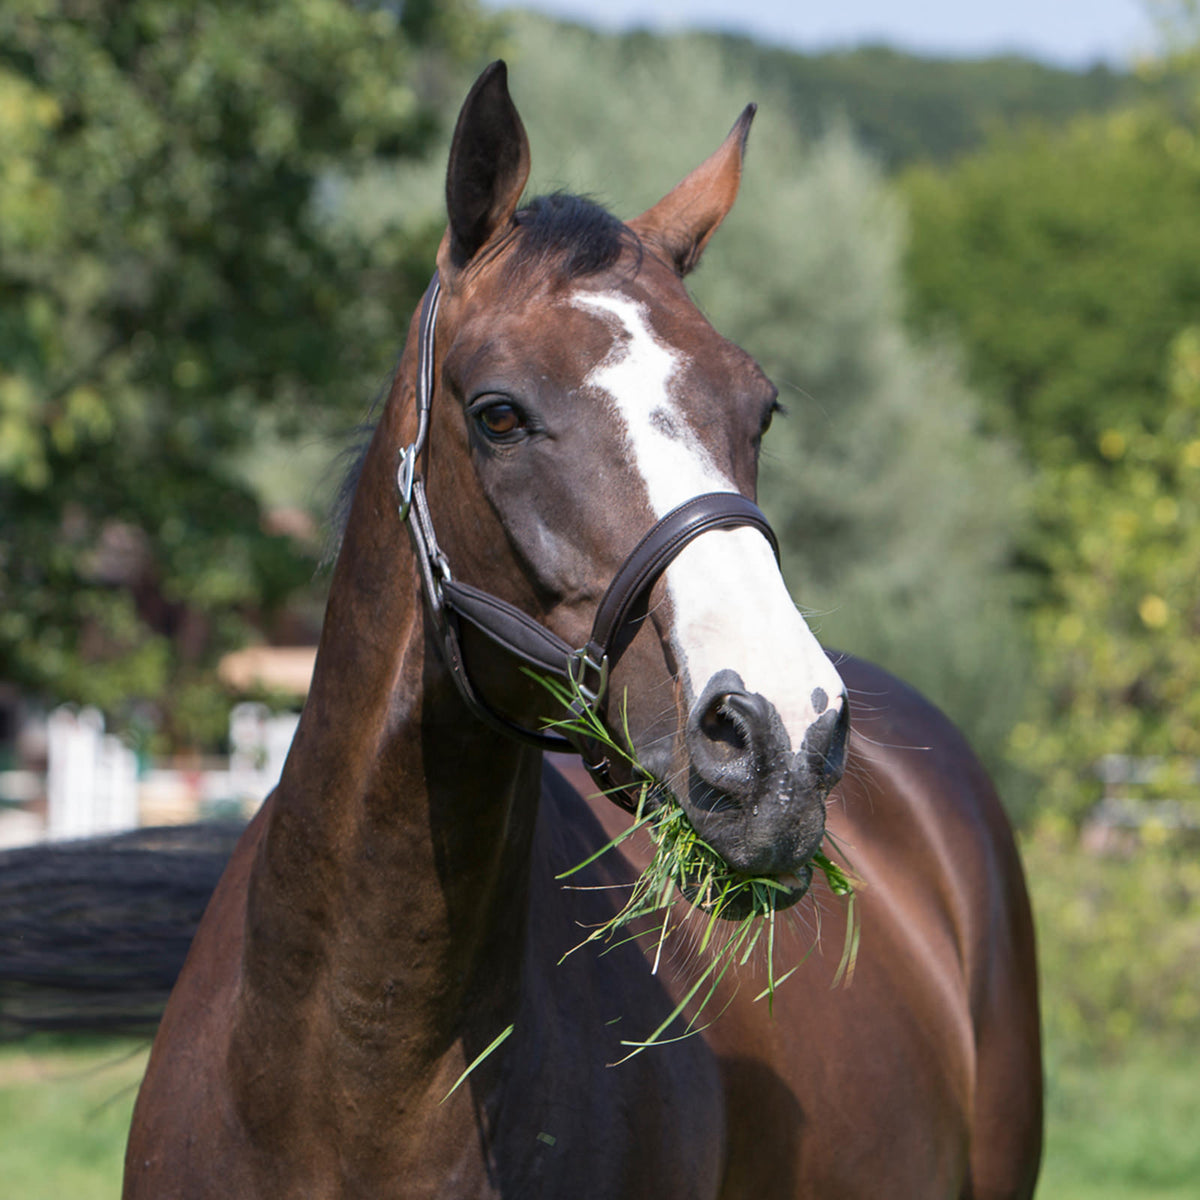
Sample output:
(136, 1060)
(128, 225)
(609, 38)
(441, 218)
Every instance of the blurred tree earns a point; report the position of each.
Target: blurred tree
(1178, 21)
(906, 108)
(1118, 638)
(1065, 262)
(1118, 947)
(172, 284)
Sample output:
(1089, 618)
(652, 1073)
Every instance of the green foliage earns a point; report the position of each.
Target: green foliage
(1118, 654)
(1119, 944)
(168, 275)
(906, 108)
(1064, 261)
(1067, 262)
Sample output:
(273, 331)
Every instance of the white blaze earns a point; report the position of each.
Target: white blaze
(731, 607)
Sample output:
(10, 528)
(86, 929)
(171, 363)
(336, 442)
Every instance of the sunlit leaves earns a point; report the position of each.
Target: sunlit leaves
(170, 290)
(1119, 943)
(1119, 635)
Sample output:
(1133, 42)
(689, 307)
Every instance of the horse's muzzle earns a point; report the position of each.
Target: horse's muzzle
(755, 801)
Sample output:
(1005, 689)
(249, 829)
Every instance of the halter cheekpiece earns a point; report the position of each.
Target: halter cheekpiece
(584, 670)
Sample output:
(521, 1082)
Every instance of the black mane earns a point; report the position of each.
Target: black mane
(577, 234)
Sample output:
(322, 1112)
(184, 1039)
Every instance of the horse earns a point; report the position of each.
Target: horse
(562, 477)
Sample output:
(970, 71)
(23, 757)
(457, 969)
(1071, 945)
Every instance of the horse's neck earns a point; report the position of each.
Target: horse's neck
(387, 904)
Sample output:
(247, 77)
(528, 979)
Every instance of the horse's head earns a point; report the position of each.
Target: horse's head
(578, 397)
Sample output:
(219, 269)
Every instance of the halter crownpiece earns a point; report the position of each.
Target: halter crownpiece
(584, 671)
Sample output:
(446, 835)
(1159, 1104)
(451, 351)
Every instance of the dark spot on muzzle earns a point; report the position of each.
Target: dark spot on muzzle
(822, 757)
(758, 804)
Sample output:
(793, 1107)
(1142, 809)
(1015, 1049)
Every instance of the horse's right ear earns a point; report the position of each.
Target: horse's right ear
(489, 165)
(681, 223)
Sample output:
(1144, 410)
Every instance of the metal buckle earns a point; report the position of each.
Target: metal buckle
(405, 474)
(439, 573)
(577, 667)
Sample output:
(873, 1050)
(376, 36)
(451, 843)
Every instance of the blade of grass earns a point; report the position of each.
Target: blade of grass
(845, 970)
(591, 858)
(479, 1058)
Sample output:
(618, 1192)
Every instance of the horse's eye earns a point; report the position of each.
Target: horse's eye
(499, 421)
(776, 407)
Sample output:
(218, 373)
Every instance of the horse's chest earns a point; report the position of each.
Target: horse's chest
(570, 1124)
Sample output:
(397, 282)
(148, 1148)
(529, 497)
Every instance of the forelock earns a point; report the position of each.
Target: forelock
(569, 234)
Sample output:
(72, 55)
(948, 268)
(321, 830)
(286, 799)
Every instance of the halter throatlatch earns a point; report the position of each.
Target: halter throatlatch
(584, 671)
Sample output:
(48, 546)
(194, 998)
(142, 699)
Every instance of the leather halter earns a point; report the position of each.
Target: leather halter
(582, 671)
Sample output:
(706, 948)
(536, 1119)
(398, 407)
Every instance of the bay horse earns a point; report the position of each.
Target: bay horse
(563, 475)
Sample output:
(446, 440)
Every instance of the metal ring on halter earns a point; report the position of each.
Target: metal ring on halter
(578, 665)
(405, 474)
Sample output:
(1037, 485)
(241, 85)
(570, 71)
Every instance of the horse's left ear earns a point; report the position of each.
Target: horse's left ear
(489, 165)
(681, 223)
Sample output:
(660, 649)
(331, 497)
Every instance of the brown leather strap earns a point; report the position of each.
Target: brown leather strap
(517, 632)
(660, 545)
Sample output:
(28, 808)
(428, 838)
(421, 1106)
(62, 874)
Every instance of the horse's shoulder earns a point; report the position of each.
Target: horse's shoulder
(916, 803)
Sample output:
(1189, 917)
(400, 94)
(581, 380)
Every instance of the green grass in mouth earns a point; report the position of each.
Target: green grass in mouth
(685, 868)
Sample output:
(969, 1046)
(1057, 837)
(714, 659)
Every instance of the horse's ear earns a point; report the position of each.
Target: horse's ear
(681, 223)
(489, 164)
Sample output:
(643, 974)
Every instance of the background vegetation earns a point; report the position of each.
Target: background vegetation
(976, 284)
(172, 293)
(1066, 263)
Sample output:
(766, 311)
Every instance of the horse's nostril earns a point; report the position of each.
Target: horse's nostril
(726, 739)
(731, 719)
(719, 724)
(750, 707)
(734, 735)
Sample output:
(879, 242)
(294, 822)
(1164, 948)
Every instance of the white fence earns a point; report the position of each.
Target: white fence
(93, 784)
(259, 741)
(91, 777)
(1129, 801)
